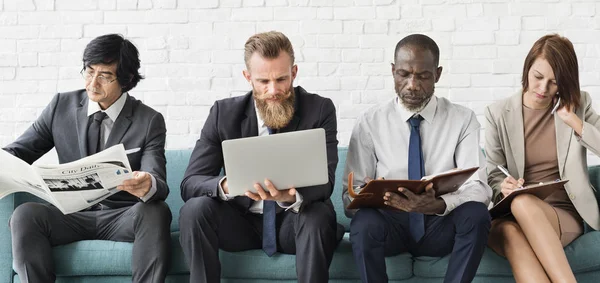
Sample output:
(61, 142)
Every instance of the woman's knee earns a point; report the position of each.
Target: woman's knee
(524, 204)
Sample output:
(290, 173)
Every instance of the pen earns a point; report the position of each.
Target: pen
(506, 173)
(501, 168)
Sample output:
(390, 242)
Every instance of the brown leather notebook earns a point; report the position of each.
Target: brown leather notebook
(541, 191)
(371, 195)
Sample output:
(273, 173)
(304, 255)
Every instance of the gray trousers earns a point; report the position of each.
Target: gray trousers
(208, 224)
(36, 228)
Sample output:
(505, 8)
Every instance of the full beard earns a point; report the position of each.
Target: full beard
(418, 101)
(276, 115)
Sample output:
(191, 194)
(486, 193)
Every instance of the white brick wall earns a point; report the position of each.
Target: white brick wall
(191, 50)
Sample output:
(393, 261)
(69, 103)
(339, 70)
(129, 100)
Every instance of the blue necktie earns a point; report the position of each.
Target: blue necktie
(269, 241)
(416, 170)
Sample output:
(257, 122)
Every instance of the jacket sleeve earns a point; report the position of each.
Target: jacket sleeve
(590, 138)
(495, 155)
(202, 174)
(328, 122)
(153, 156)
(37, 139)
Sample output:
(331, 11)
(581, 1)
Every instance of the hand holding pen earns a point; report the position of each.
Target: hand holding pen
(509, 184)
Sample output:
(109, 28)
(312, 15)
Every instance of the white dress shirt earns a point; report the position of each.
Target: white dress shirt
(112, 112)
(449, 139)
(257, 206)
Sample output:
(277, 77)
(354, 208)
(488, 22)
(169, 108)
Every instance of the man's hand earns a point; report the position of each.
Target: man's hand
(425, 203)
(225, 187)
(272, 193)
(139, 185)
(510, 184)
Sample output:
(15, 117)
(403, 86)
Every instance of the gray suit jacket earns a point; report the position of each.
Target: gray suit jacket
(505, 145)
(63, 125)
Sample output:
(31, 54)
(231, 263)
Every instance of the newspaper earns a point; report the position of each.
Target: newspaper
(72, 186)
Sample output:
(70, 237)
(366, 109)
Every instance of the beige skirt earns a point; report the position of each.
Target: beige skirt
(570, 225)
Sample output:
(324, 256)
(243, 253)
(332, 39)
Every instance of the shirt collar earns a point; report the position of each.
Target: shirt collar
(112, 111)
(428, 113)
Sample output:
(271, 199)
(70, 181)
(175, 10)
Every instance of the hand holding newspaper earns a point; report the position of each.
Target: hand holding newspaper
(72, 186)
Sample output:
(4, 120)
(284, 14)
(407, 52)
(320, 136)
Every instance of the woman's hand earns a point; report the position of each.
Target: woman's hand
(570, 118)
(510, 184)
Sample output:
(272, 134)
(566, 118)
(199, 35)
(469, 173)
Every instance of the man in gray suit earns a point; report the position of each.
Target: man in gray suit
(81, 123)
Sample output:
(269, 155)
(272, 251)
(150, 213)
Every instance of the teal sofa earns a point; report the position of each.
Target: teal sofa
(106, 261)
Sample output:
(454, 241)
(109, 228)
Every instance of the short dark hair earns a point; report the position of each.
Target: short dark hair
(421, 41)
(560, 54)
(110, 48)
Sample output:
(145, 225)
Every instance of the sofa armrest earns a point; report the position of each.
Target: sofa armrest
(6, 210)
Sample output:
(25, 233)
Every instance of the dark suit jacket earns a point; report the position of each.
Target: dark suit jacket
(63, 125)
(234, 118)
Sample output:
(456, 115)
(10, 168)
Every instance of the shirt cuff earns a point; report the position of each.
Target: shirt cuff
(220, 191)
(152, 190)
(452, 201)
(295, 207)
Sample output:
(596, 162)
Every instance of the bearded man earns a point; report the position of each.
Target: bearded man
(412, 135)
(287, 220)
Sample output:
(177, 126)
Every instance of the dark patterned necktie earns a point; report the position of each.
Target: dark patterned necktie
(93, 134)
(269, 241)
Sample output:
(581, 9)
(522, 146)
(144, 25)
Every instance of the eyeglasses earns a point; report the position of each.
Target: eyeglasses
(89, 76)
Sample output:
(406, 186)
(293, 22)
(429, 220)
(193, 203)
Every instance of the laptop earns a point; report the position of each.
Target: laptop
(295, 159)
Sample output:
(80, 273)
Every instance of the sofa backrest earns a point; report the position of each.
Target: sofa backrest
(177, 162)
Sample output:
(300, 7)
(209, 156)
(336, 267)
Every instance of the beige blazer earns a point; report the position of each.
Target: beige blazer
(505, 145)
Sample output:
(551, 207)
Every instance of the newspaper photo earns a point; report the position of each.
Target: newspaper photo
(72, 186)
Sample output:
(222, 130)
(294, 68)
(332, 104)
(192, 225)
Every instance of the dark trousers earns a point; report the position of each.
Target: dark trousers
(462, 233)
(208, 224)
(36, 228)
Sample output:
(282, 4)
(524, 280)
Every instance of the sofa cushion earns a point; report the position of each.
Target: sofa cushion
(250, 264)
(97, 257)
(102, 258)
(581, 253)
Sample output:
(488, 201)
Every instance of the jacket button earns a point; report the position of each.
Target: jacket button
(209, 194)
(572, 196)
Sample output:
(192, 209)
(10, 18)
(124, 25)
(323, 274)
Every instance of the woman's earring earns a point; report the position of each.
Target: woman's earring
(557, 93)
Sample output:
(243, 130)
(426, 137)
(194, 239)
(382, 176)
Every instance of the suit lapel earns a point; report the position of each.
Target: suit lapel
(82, 124)
(249, 123)
(513, 121)
(121, 125)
